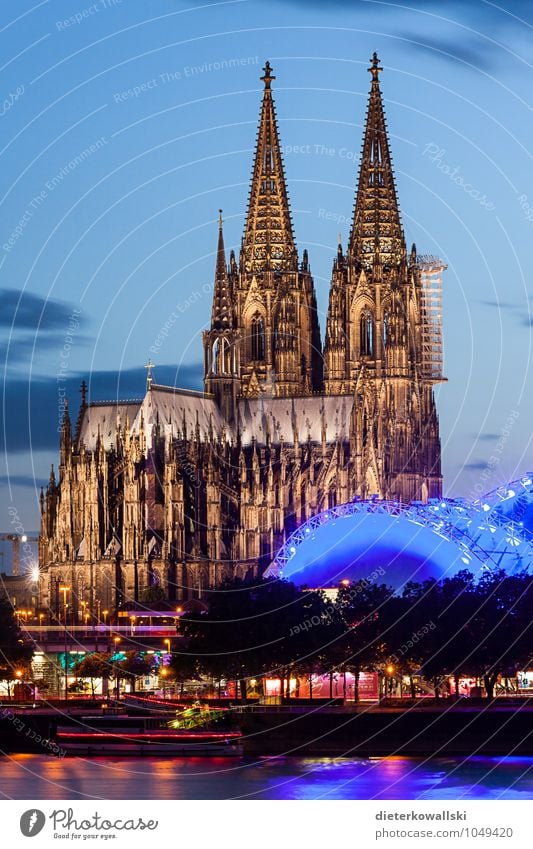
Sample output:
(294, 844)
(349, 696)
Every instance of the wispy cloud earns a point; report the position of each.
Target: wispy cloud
(470, 52)
(29, 311)
(22, 480)
(475, 466)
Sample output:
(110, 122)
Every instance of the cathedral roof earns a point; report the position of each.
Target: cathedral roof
(179, 412)
(283, 418)
(182, 412)
(101, 418)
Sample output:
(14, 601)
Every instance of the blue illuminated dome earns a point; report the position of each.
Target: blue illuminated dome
(512, 502)
(411, 542)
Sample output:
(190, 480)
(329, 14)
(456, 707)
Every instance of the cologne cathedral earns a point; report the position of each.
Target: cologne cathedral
(182, 490)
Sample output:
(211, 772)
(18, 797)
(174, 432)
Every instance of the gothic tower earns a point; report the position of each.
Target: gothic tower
(274, 295)
(221, 351)
(373, 334)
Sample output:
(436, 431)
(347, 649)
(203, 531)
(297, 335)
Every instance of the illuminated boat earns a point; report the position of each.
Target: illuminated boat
(138, 735)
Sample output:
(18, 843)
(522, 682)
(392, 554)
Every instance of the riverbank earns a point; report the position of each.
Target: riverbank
(452, 729)
(427, 730)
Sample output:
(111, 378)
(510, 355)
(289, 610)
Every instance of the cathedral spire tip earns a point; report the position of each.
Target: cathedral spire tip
(375, 67)
(268, 76)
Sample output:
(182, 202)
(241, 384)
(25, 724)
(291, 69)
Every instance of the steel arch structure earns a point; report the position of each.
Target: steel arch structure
(483, 539)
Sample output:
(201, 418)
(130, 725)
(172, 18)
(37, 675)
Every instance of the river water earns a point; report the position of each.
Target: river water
(46, 777)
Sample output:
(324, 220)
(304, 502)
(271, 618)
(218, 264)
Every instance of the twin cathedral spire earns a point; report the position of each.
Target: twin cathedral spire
(264, 338)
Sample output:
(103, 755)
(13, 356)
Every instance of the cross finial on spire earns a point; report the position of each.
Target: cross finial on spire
(220, 219)
(268, 75)
(376, 68)
(149, 377)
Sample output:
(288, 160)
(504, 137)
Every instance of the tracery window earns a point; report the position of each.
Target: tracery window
(257, 332)
(366, 334)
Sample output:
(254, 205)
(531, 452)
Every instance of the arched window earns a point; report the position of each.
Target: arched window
(221, 357)
(384, 334)
(215, 353)
(226, 357)
(258, 338)
(366, 329)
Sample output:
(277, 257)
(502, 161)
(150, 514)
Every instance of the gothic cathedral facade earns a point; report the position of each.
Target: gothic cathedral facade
(176, 492)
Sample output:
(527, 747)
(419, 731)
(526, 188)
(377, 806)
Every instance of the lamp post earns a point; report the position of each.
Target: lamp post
(65, 590)
(163, 670)
(390, 672)
(163, 673)
(116, 640)
(18, 676)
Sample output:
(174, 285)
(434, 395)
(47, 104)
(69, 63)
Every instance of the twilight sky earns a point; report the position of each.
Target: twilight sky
(126, 125)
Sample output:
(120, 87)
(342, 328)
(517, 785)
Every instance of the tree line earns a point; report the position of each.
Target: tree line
(462, 626)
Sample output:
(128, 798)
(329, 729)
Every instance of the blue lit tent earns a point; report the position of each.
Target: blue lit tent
(410, 542)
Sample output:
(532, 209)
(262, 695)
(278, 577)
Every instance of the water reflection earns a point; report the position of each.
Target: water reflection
(43, 777)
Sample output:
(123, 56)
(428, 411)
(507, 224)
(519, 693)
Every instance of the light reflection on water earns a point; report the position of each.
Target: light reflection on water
(44, 777)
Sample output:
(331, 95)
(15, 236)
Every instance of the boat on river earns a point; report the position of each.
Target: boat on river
(95, 735)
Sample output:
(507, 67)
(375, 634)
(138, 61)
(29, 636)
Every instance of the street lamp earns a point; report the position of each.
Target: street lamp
(65, 590)
(390, 673)
(104, 614)
(163, 673)
(116, 640)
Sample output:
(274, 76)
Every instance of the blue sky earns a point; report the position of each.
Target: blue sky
(126, 125)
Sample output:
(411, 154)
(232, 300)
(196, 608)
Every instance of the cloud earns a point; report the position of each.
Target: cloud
(486, 437)
(470, 52)
(525, 319)
(501, 305)
(22, 480)
(27, 310)
(32, 325)
(32, 411)
(475, 466)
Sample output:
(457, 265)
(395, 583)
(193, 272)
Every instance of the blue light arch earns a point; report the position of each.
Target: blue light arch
(411, 542)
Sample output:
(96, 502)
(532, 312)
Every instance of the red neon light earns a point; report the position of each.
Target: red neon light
(104, 734)
(167, 702)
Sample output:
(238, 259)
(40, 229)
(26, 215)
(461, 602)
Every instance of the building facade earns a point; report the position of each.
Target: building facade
(171, 494)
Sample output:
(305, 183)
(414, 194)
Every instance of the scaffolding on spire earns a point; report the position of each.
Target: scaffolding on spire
(431, 268)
